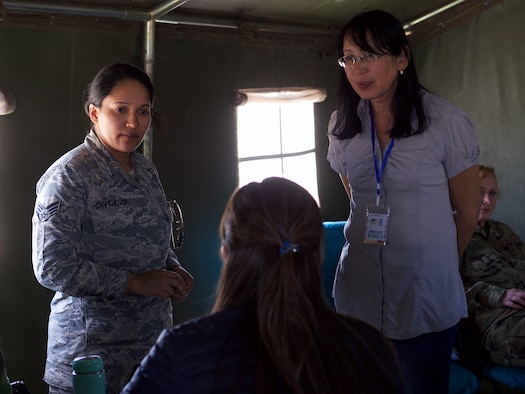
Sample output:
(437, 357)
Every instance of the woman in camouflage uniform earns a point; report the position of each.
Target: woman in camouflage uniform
(493, 272)
(101, 238)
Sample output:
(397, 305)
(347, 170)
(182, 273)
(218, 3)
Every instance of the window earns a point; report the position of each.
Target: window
(276, 136)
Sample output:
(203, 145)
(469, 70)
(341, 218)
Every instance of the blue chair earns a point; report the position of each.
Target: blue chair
(462, 380)
(334, 241)
(509, 376)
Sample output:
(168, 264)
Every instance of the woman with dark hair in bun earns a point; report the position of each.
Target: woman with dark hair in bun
(101, 238)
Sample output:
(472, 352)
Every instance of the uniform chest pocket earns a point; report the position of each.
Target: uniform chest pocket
(112, 216)
(124, 233)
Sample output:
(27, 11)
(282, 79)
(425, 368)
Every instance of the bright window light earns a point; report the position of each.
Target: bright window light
(277, 139)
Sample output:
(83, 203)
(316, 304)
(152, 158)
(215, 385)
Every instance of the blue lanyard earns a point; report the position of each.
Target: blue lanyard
(379, 172)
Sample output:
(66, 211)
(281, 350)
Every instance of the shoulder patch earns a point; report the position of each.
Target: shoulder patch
(44, 213)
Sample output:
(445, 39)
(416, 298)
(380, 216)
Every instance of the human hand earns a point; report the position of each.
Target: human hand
(164, 284)
(187, 285)
(514, 298)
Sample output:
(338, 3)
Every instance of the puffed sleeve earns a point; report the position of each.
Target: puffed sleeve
(334, 155)
(462, 148)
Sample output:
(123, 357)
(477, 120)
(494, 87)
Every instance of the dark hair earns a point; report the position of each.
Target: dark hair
(108, 77)
(257, 220)
(386, 36)
(273, 236)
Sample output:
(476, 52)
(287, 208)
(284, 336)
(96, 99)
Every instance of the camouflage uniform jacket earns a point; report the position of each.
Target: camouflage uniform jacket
(93, 224)
(493, 262)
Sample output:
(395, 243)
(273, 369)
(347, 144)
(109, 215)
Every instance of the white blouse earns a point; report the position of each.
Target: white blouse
(412, 285)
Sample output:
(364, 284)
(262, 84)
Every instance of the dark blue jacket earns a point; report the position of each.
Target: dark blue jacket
(212, 354)
(218, 353)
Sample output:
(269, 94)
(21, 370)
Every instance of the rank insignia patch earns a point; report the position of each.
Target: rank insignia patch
(44, 213)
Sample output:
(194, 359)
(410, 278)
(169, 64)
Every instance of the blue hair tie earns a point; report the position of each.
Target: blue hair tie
(288, 247)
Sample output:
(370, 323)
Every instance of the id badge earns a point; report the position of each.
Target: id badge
(376, 226)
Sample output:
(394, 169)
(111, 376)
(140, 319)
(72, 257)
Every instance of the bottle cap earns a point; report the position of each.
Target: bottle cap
(87, 364)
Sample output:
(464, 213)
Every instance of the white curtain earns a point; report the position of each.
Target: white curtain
(280, 95)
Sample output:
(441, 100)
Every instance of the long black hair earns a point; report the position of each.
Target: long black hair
(379, 32)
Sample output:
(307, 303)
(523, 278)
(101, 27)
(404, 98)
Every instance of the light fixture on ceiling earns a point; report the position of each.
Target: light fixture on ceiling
(7, 100)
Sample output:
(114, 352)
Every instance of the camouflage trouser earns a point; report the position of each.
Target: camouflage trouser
(504, 340)
(56, 390)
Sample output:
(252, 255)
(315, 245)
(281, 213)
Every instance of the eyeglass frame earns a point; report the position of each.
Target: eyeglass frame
(365, 57)
(177, 229)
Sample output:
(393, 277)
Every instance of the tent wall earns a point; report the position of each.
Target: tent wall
(475, 66)
(479, 67)
(48, 69)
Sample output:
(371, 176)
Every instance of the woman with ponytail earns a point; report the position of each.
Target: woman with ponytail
(271, 329)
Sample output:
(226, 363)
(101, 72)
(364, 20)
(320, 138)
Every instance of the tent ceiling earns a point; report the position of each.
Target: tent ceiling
(322, 17)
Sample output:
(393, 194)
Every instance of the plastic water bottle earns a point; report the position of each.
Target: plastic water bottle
(89, 376)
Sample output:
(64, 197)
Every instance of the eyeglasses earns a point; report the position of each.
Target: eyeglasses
(366, 57)
(177, 231)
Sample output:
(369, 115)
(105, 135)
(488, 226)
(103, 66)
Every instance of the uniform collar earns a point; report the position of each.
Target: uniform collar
(108, 163)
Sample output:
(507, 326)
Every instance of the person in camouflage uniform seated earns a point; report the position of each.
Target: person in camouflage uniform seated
(493, 272)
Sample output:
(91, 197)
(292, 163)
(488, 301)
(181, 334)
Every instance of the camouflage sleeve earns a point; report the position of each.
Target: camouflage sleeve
(514, 245)
(486, 294)
(58, 233)
(173, 260)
